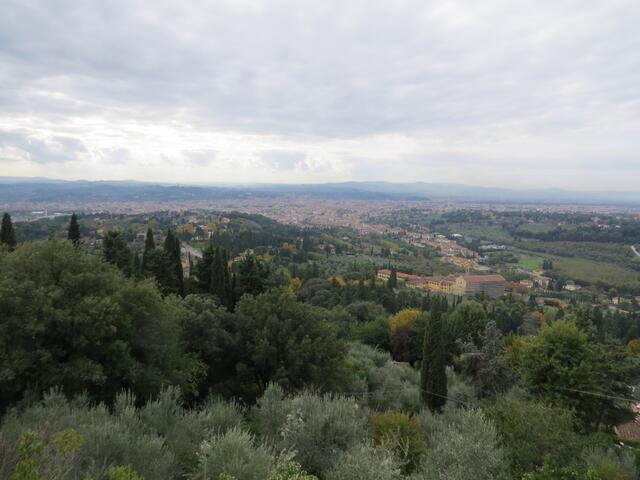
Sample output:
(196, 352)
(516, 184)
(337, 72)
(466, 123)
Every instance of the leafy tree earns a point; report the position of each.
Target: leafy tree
(282, 341)
(252, 276)
(433, 379)
(116, 251)
(487, 365)
(563, 365)
(69, 319)
(73, 233)
(534, 433)
(7, 234)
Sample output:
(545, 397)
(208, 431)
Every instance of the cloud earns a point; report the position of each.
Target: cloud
(284, 160)
(480, 86)
(30, 148)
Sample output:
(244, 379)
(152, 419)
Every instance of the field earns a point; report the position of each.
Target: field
(529, 262)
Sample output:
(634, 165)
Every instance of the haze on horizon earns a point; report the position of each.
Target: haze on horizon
(494, 93)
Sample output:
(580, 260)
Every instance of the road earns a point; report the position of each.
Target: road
(635, 250)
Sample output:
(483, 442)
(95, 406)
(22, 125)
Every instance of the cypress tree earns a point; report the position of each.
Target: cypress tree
(174, 263)
(149, 242)
(136, 266)
(7, 234)
(149, 246)
(393, 279)
(73, 233)
(433, 375)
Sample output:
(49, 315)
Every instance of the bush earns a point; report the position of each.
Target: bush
(463, 444)
(315, 426)
(233, 453)
(183, 429)
(401, 434)
(382, 383)
(365, 462)
(610, 465)
(534, 433)
(107, 440)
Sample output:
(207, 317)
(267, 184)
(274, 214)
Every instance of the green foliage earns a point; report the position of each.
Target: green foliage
(534, 433)
(316, 427)
(234, 453)
(73, 233)
(467, 322)
(71, 320)
(184, 429)
(116, 251)
(462, 444)
(562, 364)
(486, 366)
(382, 383)
(400, 433)
(288, 470)
(79, 440)
(283, 341)
(433, 380)
(126, 472)
(365, 462)
(7, 233)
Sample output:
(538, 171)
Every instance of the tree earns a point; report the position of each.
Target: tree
(173, 278)
(283, 341)
(568, 368)
(73, 233)
(70, 320)
(116, 251)
(7, 234)
(393, 280)
(149, 246)
(487, 365)
(535, 433)
(433, 378)
(252, 276)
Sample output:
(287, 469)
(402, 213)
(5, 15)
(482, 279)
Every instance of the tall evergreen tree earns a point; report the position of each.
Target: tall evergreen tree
(7, 234)
(149, 246)
(433, 375)
(73, 233)
(116, 251)
(393, 279)
(174, 275)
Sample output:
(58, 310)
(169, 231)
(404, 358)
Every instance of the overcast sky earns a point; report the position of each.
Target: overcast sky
(502, 93)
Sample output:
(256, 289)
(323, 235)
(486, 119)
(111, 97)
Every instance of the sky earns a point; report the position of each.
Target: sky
(522, 94)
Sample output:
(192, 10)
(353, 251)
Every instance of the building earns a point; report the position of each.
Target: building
(385, 274)
(490, 285)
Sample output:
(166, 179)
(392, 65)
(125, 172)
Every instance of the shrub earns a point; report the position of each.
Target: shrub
(534, 433)
(610, 465)
(401, 434)
(365, 462)
(463, 445)
(100, 439)
(233, 453)
(315, 426)
(383, 383)
(183, 429)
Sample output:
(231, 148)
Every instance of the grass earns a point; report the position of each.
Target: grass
(529, 263)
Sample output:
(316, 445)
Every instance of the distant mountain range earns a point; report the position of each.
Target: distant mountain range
(24, 189)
